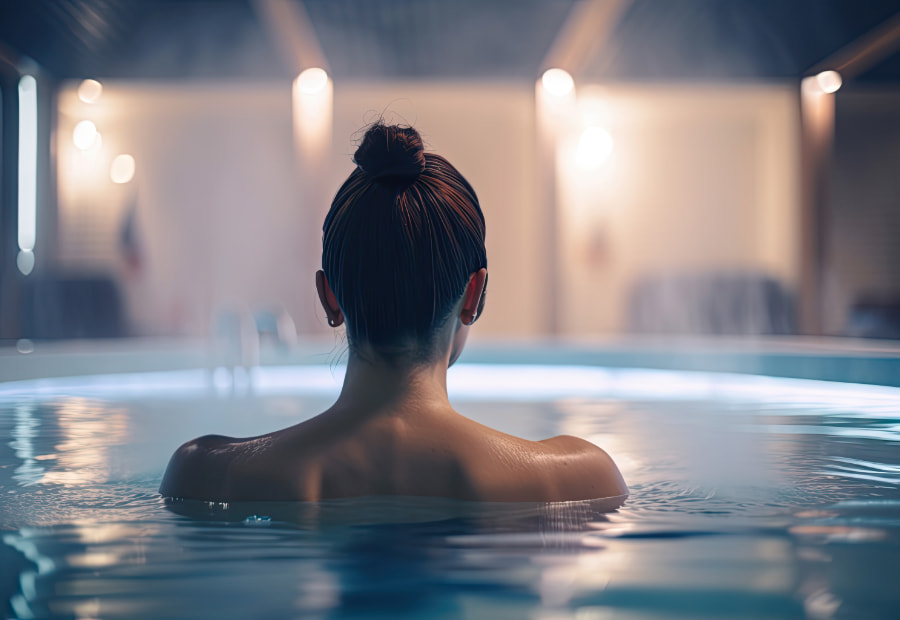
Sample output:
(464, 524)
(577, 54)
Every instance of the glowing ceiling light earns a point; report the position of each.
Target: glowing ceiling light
(829, 81)
(90, 90)
(594, 147)
(557, 82)
(122, 169)
(85, 135)
(312, 81)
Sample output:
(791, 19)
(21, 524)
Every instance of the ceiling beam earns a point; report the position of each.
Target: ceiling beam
(865, 52)
(288, 23)
(583, 33)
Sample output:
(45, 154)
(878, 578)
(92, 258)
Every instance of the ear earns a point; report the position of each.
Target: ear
(473, 298)
(329, 301)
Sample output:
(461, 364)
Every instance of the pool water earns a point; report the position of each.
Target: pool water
(751, 497)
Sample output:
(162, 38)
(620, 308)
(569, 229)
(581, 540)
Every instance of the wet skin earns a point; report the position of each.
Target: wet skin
(392, 431)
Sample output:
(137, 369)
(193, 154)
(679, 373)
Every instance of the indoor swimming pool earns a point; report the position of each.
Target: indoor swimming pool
(751, 497)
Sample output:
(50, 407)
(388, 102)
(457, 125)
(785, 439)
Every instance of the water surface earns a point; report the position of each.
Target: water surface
(750, 498)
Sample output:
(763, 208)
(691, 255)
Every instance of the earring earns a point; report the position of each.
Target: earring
(330, 322)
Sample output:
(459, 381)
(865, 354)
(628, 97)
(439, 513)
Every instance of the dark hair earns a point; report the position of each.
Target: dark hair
(403, 235)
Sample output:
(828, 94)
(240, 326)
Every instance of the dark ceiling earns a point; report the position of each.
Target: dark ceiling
(439, 39)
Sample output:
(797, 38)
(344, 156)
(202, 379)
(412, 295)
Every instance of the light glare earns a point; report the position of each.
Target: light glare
(85, 135)
(27, 165)
(520, 382)
(824, 83)
(25, 261)
(829, 81)
(594, 147)
(90, 90)
(557, 82)
(810, 86)
(122, 169)
(312, 81)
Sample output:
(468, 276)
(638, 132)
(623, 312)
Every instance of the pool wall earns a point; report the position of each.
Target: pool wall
(852, 361)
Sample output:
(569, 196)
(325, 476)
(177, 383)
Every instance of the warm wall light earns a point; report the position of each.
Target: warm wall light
(810, 86)
(313, 98)
(312, 81)
(85, 135)
(122, 169)
(826, 82)
(829, 81)
(594, 147)
(557, 82)
(90, 90)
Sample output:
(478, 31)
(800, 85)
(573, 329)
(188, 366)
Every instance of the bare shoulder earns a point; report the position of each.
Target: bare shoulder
(569, 444)
(501, 467)
(197, 469)
(582, 469)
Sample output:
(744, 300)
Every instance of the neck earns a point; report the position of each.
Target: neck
(374, 385)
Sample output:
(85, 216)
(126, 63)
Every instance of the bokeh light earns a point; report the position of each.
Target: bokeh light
(90, 90)
(25, 261)
(312, 81)
(594, 147)
(829, 81)
(85, 135)
(122, 169)
(557, 82)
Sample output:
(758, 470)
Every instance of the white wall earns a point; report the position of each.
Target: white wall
(486, 131)
(700, 178)
(226, 213)
(215, 210)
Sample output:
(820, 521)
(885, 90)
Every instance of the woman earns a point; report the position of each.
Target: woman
(404, 268)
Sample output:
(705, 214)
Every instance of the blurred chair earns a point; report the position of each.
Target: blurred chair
(234, 350)
(276, 328)
(234, 338)
(71, 306)
(721, 303)
(874, 316)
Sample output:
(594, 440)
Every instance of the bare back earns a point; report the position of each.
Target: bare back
(436, 452)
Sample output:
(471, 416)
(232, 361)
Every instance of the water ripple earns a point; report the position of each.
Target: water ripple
(860, 469)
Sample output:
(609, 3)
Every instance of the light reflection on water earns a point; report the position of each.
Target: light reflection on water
(23, 433)
(739, 508)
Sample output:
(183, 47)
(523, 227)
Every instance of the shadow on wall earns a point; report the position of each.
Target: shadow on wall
(875, 316)
(67, 306)
(63, 306)
(720, 303)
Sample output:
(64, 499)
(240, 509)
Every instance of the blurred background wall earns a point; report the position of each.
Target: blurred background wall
(693, 178)
(863, 260)
(227, 215)
(701, 180)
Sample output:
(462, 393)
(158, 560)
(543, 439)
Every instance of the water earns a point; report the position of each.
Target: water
(751, 498)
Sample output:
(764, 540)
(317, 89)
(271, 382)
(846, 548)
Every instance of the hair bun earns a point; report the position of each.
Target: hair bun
(391, 151)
